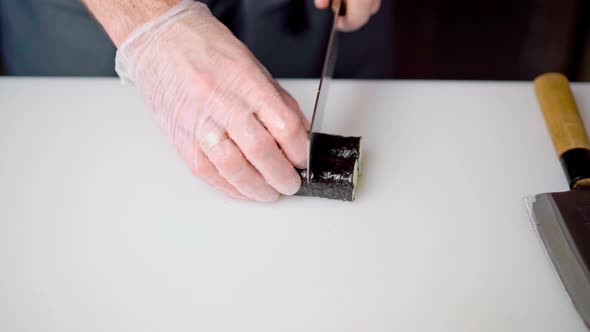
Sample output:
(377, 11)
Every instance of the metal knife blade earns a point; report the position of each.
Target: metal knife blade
(321, 98)
(561, 221)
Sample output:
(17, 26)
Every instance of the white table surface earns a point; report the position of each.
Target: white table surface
(102, 228)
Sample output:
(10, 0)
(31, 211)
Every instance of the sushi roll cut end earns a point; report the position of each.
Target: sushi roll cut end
(336, 168)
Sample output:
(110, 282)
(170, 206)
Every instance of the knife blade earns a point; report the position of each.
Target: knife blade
(339, 9)
(562, 220)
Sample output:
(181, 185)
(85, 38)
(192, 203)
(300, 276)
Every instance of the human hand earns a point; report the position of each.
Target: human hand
(233, 125)
(358, 12)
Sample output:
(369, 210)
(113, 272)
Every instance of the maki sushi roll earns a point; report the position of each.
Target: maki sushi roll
(336, 168)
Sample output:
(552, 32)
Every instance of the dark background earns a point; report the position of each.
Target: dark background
(490, 39)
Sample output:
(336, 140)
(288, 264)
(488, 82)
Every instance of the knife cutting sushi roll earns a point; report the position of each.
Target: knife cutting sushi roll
(336, 168)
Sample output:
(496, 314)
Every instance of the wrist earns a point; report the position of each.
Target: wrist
(120, 17)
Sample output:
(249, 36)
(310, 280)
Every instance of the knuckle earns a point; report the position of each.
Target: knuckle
(206, 81)
(245, 64)
(260, 149)
(292, 126)
(231, 164)
(291, 102)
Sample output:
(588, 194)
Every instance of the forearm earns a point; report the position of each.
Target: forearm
(120, 17)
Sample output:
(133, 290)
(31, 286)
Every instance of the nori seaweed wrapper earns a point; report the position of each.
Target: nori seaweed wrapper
(336, 167)
(337, 146)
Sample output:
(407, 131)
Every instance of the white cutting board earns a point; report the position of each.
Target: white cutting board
(102, 228)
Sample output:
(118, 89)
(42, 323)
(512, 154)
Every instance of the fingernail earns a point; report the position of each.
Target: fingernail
(302, 165)
(292, 186)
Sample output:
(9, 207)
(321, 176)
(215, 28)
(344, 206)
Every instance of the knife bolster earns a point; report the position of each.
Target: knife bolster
(576, 165)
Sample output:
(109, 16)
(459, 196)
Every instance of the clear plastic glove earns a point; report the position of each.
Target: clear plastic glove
(233, 125)
(358, 12)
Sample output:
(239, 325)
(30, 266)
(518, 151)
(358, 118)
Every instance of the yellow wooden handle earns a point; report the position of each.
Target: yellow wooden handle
(342, 11)
(561, 113)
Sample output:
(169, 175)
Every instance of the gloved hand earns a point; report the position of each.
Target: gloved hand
(233, 125)
(358, 12)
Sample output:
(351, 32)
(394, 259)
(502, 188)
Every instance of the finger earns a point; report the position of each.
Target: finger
(286, 96)
(252, 138)
(282, 122)
(357, 14)
(261, 96)
(189, 148)
(376, 7)
(233, 166)
(292, 104)
(202, 168)
(260, 148)
(322, 4)
(285, 124)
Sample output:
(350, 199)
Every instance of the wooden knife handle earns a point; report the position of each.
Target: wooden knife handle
(561, 113)
(565, 126)
(342, 11)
